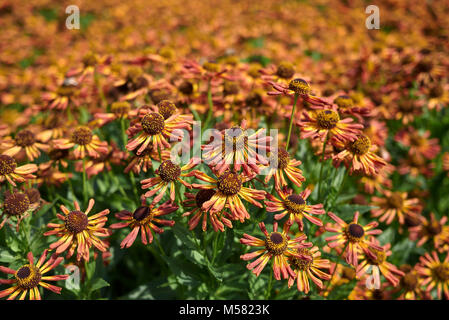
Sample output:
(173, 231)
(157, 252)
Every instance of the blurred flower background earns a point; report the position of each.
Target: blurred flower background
(89, 118)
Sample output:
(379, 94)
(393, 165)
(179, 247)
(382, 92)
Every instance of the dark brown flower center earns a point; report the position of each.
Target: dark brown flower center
(76, 221)
(276, 243)
(25, 138)
(424, 66)
(66, 90)
(23, 272)
(361, 146)
(120, 108)
(281, 159)
(202, 196)
(133, 74)
(235, 139)
(211, 66)
(33, 195)
(348, 273)
(28, 277)
(412, 220)
(327, 119)
(186, 88)
(381, 256)
(406, 106)
(285, 70)
(395, 200)
(377, 294)
(355, 232)
(254, 99)
(294, 203)
(90, 59)
(344, 102)
(434, 228)
(82, 136)
(58, 154)
(300, 263)
(299, 86)
(157, 95)
(230, 88)
(7, 164)
(168, 171)
(409, 281)
(16, 203)
(153, 123)
(436, 91)
(229, 183)
(166, 108)
(441, 272)
(141, 213)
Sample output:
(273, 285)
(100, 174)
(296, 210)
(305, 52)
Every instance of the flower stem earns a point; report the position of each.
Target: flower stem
(270, 284)
(322, 165)
(336, 265)
(133, 182)
(84, 182)
(124, 136)
(159, 246)
(291, 120)
(211, 105)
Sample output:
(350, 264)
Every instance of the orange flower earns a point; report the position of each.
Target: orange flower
(238, 147)
(280, 163)
(144, 219)
(351, 238)
(433, 230)
(321, 123)
(196, 201)
(25, 140)
(84, 142)
(10, 172)
(230, 189)
(151, 128)
(277, 246)
(78, 231)
(379, 264)
(435, 273)
(395, 205)
(306, 269)
(29, 277)
(168, 173)
(359, 156)
(17, 204)
(295, 206)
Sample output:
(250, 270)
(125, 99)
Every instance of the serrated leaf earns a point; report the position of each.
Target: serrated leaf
(98, 284)
(186, 237)
(342, 292)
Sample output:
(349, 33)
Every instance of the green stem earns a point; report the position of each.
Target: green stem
(291, 121)
(100, 90)
(322, 165)
(211, 105)
(214, 246)
(69, 113)
(84, 182)
(270, 283)
(159, 245)
(336, 265)
(133, 182)
(124, 136)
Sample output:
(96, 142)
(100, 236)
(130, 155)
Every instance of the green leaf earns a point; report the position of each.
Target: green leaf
(98, 284)
(342, 292)
(186, 237)
(257, 287)
(90, 269)
(6, 256)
